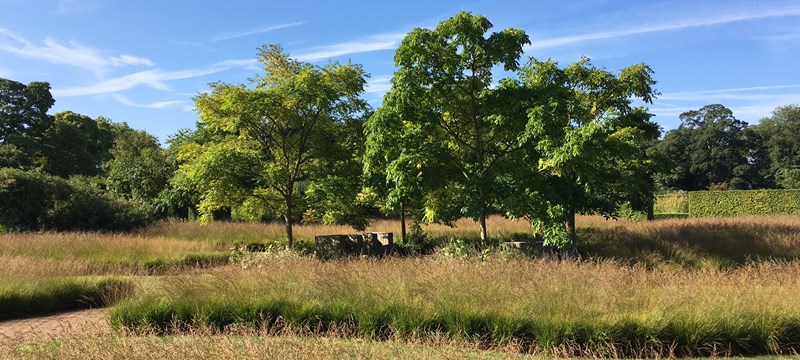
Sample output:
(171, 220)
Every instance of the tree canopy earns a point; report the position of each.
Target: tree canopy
(587, 141)
(443, 111)
(711, 148)
(280, 133)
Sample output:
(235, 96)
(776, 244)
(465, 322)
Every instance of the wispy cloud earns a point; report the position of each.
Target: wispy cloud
(747, 103)
(229, 36)
(152, 78)
(153, 105)
(372, 43)
(744, 93)
(72, 53)
(540, 43)
(379, 84)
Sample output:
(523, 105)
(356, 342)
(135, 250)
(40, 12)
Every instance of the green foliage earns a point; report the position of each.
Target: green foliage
(275, 138)
(665, 216)
(24, 109)
(76, 144)
(674, 202)
(440, 140)
(744, 202)
(139, 167)
(779, 133)
(33, 201)
(712, 147)
(588, 142)
(626, 212)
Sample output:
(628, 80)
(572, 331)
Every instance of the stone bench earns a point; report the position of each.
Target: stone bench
(366, 244)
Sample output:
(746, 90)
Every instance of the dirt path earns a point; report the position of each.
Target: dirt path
(68, 324)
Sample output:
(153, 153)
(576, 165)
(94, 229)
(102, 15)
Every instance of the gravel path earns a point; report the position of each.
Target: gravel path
(68, 324)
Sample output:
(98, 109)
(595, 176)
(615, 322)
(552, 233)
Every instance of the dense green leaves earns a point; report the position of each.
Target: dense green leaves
(31, 201)
(588, 142)
(440, 132)
(279, 135)
(741, 203)
(711, 148)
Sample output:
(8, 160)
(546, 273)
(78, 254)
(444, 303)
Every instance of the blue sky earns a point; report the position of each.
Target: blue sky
(142, 61)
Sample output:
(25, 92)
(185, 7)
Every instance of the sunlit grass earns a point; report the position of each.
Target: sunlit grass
(247, 345)
(601, 308)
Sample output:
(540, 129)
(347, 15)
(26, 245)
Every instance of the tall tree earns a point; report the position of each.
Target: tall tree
(23, 108)
(139, 167)
(23, 122)
(710, 148)
(589, 141)
(76, 144)
(781, 135)
(442, 96)
(281, 130)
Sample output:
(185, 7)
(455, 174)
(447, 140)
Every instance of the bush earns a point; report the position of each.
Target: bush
(31, 201)
(744, 202)
(664, 216)
(60, 294)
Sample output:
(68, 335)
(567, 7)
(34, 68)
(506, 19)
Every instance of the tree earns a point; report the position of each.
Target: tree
(139, 168)
(281, 132)
(711, 148)
(23, 121)
(75, 144)
(588, 140)
(782, 142)
(23, 108)
(443, 108)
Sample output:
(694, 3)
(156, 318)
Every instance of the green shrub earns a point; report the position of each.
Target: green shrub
(672, 203)
(59, 294)
(31, 201)
(665, 216)
(744, 202)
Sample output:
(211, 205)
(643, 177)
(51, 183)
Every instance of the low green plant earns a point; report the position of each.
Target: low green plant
(30, 297)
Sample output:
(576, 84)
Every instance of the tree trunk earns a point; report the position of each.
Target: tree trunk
(484, 233)
(288, 218)
(571, 233)
(403, 222)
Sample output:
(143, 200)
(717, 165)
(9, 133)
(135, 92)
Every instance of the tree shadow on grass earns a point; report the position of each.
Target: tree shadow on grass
(693, 243)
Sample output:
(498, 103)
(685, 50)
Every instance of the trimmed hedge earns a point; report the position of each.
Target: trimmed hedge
(672, 203)
(744, 202)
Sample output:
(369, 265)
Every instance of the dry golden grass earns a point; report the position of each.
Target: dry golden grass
(245, 346)
(233, 232)
(61, 254)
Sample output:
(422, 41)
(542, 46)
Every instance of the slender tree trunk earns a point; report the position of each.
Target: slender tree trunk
(484, 233)
(288, 218)
(571, 233)
(403, 222)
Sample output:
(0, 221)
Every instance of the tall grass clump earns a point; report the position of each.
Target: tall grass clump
(567, 308)
(24, 297)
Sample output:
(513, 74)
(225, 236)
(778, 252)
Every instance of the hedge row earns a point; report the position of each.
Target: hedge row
(672, 203)
(744, 202)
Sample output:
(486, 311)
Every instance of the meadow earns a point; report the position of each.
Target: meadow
(679, 287)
